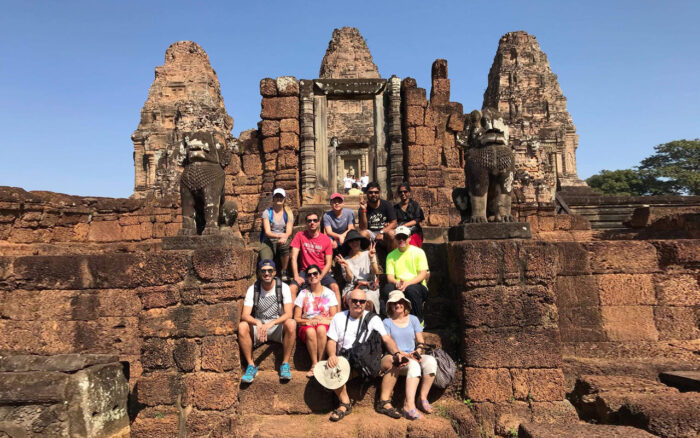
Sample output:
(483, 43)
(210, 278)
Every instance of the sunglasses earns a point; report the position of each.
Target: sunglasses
(404, 191)
(336, 201)
(313, 274)
(372, 193)
(311, 221)
(267, 271)
(401, 237)
(356, 301)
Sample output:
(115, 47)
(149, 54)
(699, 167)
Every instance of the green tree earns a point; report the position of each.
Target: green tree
(674, 168)
(625, 182)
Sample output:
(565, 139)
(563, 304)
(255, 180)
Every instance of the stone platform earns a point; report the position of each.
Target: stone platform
(203, 242)
(490, 230)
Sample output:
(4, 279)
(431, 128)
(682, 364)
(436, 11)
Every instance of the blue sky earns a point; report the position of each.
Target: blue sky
(74, 75)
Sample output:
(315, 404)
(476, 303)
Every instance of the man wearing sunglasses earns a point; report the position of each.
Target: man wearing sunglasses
(406, 270)
(311, 247)
(377, 218)
(268, 319)
(342, 333)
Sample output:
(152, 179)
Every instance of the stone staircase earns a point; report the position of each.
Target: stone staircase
(301, 406)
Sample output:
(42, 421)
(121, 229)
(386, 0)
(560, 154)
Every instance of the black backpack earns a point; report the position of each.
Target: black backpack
(256, 296)
(365, 357)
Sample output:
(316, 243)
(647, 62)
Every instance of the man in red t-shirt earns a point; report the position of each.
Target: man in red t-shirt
(311, 247)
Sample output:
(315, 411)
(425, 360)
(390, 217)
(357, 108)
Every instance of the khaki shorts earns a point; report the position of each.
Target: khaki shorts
(275, 334)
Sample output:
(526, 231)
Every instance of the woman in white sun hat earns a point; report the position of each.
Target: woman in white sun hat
(406, 330)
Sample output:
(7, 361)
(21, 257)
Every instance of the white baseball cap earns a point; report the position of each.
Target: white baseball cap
(402, 230)
(279, 191)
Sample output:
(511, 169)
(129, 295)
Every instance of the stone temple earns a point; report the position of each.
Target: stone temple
(112, 325)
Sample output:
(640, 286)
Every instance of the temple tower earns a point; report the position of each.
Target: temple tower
(524, 89)
(346, 114)
(184, 96)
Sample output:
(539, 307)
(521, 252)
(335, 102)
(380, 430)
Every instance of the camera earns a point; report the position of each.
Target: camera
(398, 361)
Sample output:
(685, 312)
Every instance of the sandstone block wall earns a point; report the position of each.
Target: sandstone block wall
(433, 162)
(28, 219)
(172, 315)
(628, 292)
(511, 346)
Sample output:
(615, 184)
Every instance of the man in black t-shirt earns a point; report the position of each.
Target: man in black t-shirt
(377, 218)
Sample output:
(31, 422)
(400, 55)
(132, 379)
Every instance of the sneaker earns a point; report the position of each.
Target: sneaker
(285, 373)
(250, 373)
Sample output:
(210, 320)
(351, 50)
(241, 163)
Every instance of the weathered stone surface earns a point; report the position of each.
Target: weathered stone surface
(224, 264)
(186, 354)
(676, 289)
(347, 56)
(156, 422)
(626, 289)
(538, 384)
(507, 306)
(581, 430)
(158, 388)
(515, 230)
(184, 97)
(527, 347)
(157, 353)
(61, 362)
(280, 107)
(33, 387)
(485, 384)
(191, 321)
(622, 257)
(211, 390)
(629, 323)
(677, 322)
(220, 354)
(300, 396)
(202, 241)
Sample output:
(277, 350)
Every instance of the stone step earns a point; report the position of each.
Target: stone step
(581, 430)
(269, 356)
(269, 396)
(683, 380)
(362, 422)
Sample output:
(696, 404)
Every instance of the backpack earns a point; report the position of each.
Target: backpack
(271, 214)
(445, 368)
(365, 357)
(256, 296)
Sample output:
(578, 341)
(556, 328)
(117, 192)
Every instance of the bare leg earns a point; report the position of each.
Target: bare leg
(321, 340)
(425, 384)
(290, 327)
(284, 261)
(389, 379)
(293, 289)
(245, 340)
(411, 387)
(312, 346)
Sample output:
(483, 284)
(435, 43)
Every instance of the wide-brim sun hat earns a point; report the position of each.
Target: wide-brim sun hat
(355, 235)
(395, 296)
(332, 378)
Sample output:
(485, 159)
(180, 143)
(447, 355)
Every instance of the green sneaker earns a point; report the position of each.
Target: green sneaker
(285, 373)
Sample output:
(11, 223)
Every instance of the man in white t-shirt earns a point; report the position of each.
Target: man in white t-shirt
(364, 180)
(348, 181)
(268, 319)
(341, 336)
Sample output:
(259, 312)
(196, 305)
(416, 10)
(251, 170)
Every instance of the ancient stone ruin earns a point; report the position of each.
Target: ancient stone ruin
(561, 326)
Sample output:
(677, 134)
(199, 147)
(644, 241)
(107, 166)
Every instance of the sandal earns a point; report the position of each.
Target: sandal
(413, 414)
(426, 406)
(338, 415)
(390, 411)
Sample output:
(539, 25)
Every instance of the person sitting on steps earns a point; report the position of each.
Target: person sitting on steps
(266, 316)
(406, 270)
(406, 330)
(342, 333)
(313, 310)
(377, 218)
(277, 225)
(338, 221)
(310, 247)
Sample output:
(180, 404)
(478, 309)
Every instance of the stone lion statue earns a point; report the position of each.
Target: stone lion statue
(204, 157)
(489, 167)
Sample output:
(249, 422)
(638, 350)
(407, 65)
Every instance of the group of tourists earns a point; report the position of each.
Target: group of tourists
(355, 187)
(306, 301)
